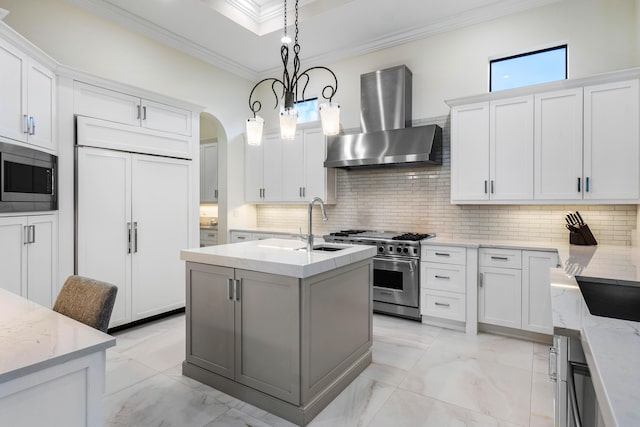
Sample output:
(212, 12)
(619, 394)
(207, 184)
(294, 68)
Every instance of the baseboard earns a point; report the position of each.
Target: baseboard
(145, 320)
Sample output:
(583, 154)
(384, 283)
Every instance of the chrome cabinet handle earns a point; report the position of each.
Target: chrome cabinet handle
(135, 237)
(230, 288)
(485, 186)
(25, 237)
(586, 185)
(500, 258)
(579, 187)
(304, 191)
(32, 125)
(480, 278)
(215, 193)
(442, 254)
(299, 191)
(237, 288)
(553, 364)
(144, 113)
(26, 124)
(128, 237)
(138, 116)
(491, 186)
(442, 277)
(441, 304)
(33, 234)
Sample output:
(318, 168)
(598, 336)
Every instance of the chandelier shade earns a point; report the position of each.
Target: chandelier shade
(292, 88)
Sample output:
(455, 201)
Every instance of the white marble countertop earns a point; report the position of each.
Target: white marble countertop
(278, 256)
(611, 346)
(33, 337)
(532, 245)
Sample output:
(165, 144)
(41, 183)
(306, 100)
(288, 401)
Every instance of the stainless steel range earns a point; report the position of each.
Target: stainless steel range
(396, 268)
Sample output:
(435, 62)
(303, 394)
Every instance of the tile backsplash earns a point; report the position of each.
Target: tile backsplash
(417, 199)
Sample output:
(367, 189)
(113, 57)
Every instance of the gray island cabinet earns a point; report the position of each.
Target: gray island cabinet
(277, 327)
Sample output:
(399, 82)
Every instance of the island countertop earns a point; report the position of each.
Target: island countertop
(278, 256)
(33, 337)
(612, 346)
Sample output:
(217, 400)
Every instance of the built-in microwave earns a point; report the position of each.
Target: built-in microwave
(27, 179)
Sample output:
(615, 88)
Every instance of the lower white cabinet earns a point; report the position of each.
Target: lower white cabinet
(443, 283)
(208, 237)
(245, 236)
(132, 222)
(28, 262)
(514, 289)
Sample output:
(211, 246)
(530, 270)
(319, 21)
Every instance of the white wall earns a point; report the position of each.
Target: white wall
(602, 36)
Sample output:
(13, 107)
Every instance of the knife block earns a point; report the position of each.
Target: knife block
(583, 236)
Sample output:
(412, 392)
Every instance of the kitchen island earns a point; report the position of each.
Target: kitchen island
(52, 368)
(276, 326)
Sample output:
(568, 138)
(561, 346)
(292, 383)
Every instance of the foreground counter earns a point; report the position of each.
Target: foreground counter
(52, 368)
(277, 327)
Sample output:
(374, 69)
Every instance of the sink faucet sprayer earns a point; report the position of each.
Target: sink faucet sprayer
(324, 218)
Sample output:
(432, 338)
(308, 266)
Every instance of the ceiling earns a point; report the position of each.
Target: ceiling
(243, 36)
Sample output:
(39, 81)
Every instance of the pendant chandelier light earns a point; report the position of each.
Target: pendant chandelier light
(289, 88)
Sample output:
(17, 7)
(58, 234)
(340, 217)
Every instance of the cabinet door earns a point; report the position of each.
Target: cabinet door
(210, 318)
(254, 172)
(13, 254)
(100, 103)
(166, 118)
(536, 290)
(272, 175)
(558, 145)
(511, 149)
(160, 214)
(209, 173)
(103, 214)
(268, 334)
(293, 168)
(499, 296)
(470, 152)
(42, 260)
(611, 134)
(239, 236)
(41, 84)
(13, 93)
(315, 153)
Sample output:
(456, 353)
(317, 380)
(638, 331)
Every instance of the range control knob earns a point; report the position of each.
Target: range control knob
(381, 249)
(405, 250)
(399, 249)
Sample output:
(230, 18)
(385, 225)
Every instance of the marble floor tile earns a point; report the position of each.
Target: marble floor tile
(385, 374)
(149, 331)
(161, 401)
(495, 348)
(355, 406)
(267, 417)
(541, 400)
(405, 408)
(122, 372)
(396, 355)
(477, 384)
(160, 352)
(235, 418)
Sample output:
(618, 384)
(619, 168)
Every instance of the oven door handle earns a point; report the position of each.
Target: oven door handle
(412, 262)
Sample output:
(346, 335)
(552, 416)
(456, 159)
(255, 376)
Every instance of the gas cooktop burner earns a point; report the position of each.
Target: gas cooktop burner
(413, 236)
(345, 233)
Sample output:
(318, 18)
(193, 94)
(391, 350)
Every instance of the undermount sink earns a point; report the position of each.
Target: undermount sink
(618, 299)
(324, 248)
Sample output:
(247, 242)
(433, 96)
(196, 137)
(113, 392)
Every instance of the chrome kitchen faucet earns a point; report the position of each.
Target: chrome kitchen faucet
(324, 218)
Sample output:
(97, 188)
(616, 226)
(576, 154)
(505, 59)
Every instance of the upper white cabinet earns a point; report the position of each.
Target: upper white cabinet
(27, 99)
(559, 146)
(492, 150)
(611, 141)
(209, 172)
(106, 104)
(289, 171)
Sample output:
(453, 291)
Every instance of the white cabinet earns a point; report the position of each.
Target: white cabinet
(443, 282)
(245, 236)
(611, 135)
(209, 172)
(514, 288)
(289, 171)
(208, 237)
(536, 290)
(28, 263)
(558, 145)
(132, 221)
(106, 104)
(263, 170)
(492, 150)
(470, 152)
(27, 99)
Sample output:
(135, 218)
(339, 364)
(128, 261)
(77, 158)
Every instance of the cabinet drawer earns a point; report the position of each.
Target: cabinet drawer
(446, 305)
(502, 258)
(444, 254)
(238, 236)
(444, 277)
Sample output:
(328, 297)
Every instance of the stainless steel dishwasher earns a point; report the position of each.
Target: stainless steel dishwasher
(575, 403)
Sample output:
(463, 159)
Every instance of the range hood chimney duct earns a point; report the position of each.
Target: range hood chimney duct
(387, 137)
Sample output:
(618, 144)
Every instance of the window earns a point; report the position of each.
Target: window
(307, 110)
(528, 68)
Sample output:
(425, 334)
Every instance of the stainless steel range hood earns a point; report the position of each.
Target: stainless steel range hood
(387, 138)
